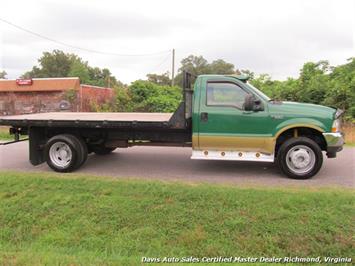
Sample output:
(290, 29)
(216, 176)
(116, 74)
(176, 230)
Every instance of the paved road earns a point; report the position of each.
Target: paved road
(167, 163)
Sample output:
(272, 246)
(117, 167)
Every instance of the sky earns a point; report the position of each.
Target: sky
(136, 37)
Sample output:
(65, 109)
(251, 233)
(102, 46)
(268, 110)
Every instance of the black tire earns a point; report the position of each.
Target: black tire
(83, 154)
(295, 143)
(77, 153)
(84, 150)
(99, 150)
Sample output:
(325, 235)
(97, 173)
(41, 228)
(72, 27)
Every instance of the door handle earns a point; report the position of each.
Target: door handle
(204, 117)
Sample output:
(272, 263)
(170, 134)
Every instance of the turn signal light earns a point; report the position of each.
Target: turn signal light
(336, 127)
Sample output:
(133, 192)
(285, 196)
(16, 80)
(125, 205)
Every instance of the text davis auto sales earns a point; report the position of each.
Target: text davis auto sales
(333, 260)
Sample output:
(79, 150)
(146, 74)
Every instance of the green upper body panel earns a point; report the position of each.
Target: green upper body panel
(230, 120)
(302, 113)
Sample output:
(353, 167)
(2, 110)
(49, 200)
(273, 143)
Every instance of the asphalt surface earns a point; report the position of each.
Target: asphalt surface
(171, 163)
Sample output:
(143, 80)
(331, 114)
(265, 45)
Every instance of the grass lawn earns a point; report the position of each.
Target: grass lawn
(4, 134)
(46, 218)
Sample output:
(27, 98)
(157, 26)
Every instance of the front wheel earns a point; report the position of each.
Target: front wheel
(300, 158)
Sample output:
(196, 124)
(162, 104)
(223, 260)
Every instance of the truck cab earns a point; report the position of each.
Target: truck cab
(233, 120)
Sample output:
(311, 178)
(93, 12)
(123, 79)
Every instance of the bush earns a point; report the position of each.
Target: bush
(146, 96)
(318, 83)
(352, 111)
(123, 100)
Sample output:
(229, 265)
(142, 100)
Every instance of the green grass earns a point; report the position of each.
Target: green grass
(5, 136)
(49, 219)
(350, 144)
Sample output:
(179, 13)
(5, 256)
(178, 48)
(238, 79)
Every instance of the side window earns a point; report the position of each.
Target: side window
(225, 94)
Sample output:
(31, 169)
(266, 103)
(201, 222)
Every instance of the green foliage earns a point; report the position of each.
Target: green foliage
(163, 79)
(5, 135)
(198, 65)
(149, 97)
(70, 95)
(102, 107)
(220, 67)
(352, 111)
(123, 101)
(146, 96)
(78, 69)
(3, 74)
(60, 64)
(54, 64)
(313, 82)
(318, 83)
(69, 219)
(103, 78)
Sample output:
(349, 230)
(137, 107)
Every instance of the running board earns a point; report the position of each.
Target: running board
(232, 156)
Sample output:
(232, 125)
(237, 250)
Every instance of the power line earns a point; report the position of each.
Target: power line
(77, 47)
(160, 64)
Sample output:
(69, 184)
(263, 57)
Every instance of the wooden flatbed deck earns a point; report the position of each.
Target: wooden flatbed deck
(90, 116)
(89, 119)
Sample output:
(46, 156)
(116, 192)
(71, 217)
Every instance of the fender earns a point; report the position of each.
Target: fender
(296, 123)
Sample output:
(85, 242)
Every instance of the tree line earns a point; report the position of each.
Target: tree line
(318, 82)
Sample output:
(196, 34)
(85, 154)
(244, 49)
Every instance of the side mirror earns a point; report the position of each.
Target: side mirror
(252, 104)
(249, 102)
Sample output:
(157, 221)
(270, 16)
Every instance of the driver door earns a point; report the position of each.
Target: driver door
(223, 123)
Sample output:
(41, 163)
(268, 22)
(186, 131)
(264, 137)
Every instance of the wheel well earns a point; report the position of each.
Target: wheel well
(310, 133)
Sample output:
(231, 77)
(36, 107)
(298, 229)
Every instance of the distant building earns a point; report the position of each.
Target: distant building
(38, 95)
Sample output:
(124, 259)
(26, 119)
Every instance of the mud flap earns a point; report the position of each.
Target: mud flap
(37, 140)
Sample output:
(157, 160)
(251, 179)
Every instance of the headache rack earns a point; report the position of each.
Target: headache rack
(182, 117)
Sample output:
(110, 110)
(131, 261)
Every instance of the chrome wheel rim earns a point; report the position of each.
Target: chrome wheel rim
(60, 154)
(300, 159)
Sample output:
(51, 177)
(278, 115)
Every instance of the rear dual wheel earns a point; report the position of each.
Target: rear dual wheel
(65, 152)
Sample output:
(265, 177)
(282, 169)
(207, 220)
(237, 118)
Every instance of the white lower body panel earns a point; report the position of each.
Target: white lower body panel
(231, 156)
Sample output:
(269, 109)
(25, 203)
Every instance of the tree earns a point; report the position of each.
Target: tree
(313, 82)
(163, 79)
(55, 64)
(198, 65)
(220, 67)
(78, 69)
(60, 64)
(246, 72)
(149, 97)
(3, 74)
(341, 92)
(318, 83)
(123, 100)
(108, 79)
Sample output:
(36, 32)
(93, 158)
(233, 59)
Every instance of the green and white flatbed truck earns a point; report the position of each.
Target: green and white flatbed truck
(222, 118)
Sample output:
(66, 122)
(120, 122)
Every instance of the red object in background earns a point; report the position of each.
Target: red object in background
(24, 81)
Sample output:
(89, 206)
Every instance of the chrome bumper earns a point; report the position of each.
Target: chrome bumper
(335, 141)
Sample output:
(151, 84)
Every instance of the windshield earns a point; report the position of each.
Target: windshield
(260, 93)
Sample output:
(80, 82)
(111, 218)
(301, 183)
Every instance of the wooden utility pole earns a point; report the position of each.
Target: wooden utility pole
(173, 69)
